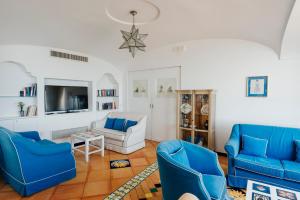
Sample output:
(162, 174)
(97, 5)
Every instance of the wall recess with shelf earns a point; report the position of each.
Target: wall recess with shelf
(19, 91)
(107, 93)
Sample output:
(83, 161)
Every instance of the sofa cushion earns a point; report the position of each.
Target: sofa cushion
(119, 124)
(291, 170)
(110, 133)
(215, 185)
(109, 123)
(265, 166)
(254, 146)
(129, 123)
(297, 144)
(280, 139)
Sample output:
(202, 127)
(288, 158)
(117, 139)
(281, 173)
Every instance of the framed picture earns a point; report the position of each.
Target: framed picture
(140, 88)
(257, 86)
(166, 87)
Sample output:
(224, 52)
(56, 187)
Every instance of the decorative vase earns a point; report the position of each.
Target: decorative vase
(22, 113)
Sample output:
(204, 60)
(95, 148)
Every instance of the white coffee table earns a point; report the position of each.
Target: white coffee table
(261, 191)
(87, 138)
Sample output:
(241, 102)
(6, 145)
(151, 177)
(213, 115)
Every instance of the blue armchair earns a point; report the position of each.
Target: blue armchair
(30, 164)
(188, 168)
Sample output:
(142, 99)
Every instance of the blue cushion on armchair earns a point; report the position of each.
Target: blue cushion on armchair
(109, 123)
(254, 146)
(119, 124)
(297, 143)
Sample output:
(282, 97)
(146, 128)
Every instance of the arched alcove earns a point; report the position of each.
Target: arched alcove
(17, 85)
(107, 93)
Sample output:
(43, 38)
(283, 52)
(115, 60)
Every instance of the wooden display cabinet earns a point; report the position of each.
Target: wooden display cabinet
(196, 117)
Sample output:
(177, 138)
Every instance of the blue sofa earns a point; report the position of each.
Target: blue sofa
(277, 168)
(188, 168)
(30, 164)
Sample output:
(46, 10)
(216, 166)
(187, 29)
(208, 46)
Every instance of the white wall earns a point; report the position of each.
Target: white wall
(38, 62)
(223, 65)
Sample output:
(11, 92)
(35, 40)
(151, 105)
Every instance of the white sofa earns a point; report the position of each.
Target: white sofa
(123, 142)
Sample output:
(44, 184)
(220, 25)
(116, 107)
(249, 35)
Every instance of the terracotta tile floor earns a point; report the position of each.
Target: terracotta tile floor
(95, 179)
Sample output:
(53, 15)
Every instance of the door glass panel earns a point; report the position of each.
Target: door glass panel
(201, 119)
(186, 117)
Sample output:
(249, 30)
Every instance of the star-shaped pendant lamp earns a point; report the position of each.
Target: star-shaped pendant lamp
(133, 40)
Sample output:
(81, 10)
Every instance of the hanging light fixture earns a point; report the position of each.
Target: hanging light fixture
(133, 40)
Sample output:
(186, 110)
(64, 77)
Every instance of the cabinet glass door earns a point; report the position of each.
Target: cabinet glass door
(201, 122)
(186, 116)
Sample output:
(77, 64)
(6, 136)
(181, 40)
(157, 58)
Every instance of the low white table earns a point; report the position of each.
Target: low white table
(261, 191)
(87, 138)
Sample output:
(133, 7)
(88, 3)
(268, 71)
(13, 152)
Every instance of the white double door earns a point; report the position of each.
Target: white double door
(150, 93)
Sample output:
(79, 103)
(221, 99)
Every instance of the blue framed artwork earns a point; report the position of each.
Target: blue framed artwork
(257, 86)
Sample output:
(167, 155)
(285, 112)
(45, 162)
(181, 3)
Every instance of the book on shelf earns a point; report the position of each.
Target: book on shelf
(29, 91)
(107, 93)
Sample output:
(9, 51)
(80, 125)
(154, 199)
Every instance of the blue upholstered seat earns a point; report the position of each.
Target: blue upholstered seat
(278, 168)
(188, 168)
(291, 170)
(264, 166)
(30, 164)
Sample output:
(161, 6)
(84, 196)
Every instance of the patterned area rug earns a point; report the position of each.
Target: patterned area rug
(122, 191)
(116, 164)
(237, 194)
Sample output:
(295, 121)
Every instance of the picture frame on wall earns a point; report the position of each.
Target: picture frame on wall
(257, 86)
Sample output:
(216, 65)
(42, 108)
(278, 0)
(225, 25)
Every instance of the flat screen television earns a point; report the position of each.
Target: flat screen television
(65, 99)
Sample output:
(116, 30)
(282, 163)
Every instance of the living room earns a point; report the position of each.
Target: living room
(116, 89)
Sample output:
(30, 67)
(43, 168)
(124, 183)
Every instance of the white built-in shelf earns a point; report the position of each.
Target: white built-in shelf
(17, 117)
(107, 96)
(108, 85)
(17, 96)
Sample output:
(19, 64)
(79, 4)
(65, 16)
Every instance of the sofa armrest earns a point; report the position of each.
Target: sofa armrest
(141, 125)
(198, 155)
(42, 149)
(98, 124)
(232, 146)
(31, 135)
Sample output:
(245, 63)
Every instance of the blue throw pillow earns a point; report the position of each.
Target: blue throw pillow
(109, 123)
(254, 146)
(129, 124)
(119, 124)
(297, 143)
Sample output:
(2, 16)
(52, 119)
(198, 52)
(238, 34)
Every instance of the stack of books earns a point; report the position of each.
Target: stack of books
(107, 93)
(29, 91)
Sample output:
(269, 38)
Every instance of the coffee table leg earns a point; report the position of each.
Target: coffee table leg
(86, 150)
(72, 144)
(102, 147)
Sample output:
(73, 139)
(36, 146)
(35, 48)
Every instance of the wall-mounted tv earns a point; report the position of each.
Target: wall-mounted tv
(65, 99)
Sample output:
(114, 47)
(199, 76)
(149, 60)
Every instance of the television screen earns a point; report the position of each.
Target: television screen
(65, 98)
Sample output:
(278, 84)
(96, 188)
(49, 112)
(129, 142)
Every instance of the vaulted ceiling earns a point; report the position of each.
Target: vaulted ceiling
(93, 26)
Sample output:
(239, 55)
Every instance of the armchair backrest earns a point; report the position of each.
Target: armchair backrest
(177, 177)
(9, 158)
(280, 139)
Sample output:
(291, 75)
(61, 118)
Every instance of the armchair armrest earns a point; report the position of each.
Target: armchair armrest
(186, 179)
(31, 135)
(42, 149)
(198, 155)
(232, 146)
